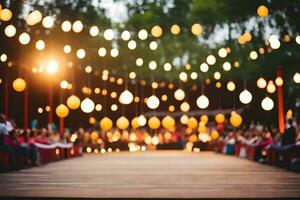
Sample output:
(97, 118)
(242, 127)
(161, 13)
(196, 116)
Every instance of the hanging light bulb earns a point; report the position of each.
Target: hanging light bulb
(34, 18)
(142, 120)
(77, 26)
(296, 77)
(126, 97)
(179, 94)
(66, 26)
(202, 102)
(271, 88)
(245, 96)
(10, 31)
(185, 107)
(261, 83)
(153, 102)
(267, 103)
(231, 86)
(87, 105)
(48, 22)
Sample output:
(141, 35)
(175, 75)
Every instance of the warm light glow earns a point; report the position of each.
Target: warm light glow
(153, 102)
(24, 38)
(122, 123)
(19, 85)
(94, 31)
(62, 111)
(67, 49)
(106, 124)
(48, 22)
(196, 29)
(185, 107)
(154, 123)
(245, 97)
(142, 120)
(126, 97)
(156, 31)
(179, 94)
(114, 53)
(152, 65)
(262, 11)
(109, 34)
(220, 118)
(167, 67)
(73, 102)
(296, 77)
(194, 75)
(114, 107)
(34, 18)
(52, 67)
(222, 52)
(3, 58)
(204, 67)
(153, 45)
(235, 119)
(267, 103)
(192, 123)
(5, 14)
(139, 62)
(66, 26)
(80, 53)
(227, 66)
(143, 34)
(77, 26)
(211, 60)
(10, 31)
(125, 35)
(131, 44)
(274, 42)
(261, 83)
(202, 102)
(231, 86)
(87, 105)
(175, 29)
(184, 119)
(64, 84)
(101, 51)
(40, 45)
(271, 88)
(253, 55)
(168, 122)
(217, 75)
(183, 76)
(279, 81)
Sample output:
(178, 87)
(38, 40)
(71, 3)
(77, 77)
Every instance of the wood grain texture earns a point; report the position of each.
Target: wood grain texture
(164, 174)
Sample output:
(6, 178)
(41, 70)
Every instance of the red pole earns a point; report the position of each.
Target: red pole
(61, 126)
(26, 92)
(50, 100)
(280, 103)
(6, 97)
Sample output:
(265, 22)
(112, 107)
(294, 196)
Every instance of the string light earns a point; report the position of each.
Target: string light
(66, 26)
(48, 22)
(10, 31)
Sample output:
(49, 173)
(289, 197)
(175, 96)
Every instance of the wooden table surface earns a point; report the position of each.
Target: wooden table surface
(165, 174)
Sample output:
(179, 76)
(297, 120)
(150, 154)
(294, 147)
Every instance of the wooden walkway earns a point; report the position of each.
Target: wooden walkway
(164, 174)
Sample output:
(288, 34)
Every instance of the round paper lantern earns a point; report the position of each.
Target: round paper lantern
(135, 122)
(204, 119)
(168, 122)
(245, 97)
(87, 105)
(154, 123)
(214, 135)
(126, 97)
(19, 85)
(142, 120)
(267, 103)
(153, 102)
(73, 102)
(262, 11)
(202, 128)
(185, 107)
(179, 94)
(62, 111)
(202, 102)
(261, 83)
(122, 123)
(94, 136)
(235, 119)
(192, 123)
(5, 14)
(106, 124)
(92, 120)
(220, 118)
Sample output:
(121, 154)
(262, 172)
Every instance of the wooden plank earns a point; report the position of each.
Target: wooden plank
(164, 174)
